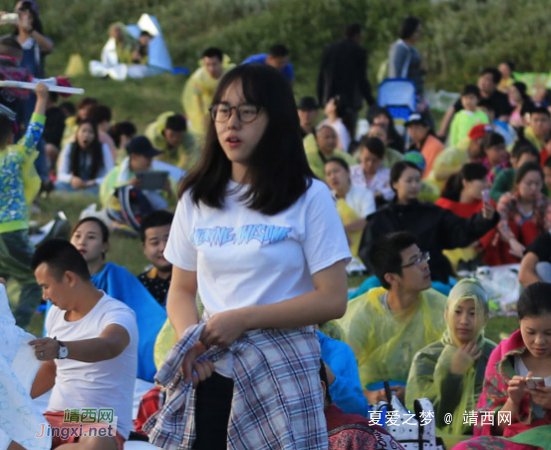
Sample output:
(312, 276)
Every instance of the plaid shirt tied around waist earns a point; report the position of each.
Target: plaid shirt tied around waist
(277, 396)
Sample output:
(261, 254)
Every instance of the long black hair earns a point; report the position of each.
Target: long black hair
(94, 149)
(37, 23)
(469, 172)
(278, 172)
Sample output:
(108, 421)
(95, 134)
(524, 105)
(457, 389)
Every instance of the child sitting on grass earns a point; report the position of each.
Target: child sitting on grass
(19, 184)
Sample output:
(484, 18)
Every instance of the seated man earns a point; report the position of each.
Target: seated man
(278, 58)
(140, 157)
(308, 110)
(321, 147)
(170, 135)
(154, 232)
(536, 263)
(386, 326)
(140, 53)
(351, 431)
(540, 124)
(200, 87)
(91, 359)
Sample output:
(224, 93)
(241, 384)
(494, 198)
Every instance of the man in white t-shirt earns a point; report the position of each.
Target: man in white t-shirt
(90, 356)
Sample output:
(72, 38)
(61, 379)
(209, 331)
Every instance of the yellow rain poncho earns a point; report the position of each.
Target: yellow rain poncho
(317, 164)
(430, 375)
(347, 215)
(184, 156)
(198, 93)
(385, 341)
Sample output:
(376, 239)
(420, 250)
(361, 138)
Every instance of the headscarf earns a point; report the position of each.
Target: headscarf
(467, 289)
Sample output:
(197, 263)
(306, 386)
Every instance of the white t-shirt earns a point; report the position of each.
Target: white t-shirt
(361, 200)
(104, 384)
(243, 257)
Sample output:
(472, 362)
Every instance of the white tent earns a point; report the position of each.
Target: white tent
(158, 60)
(158, 53)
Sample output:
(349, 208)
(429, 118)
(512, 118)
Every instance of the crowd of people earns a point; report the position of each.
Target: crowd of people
(244, 318)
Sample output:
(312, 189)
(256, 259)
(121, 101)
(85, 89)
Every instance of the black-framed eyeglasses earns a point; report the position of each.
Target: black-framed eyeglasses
(246, 112)
(425, 256)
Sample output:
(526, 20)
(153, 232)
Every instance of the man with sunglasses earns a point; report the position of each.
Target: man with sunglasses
(387, 325)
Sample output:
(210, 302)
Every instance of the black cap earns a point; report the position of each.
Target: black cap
(416, 119)
(308, 103)
(140, 145)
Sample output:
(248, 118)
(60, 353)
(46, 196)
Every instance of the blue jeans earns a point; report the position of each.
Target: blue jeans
(21, 250)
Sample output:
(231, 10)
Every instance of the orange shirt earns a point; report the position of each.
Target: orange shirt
(431, 148)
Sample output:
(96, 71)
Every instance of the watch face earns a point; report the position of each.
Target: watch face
(63, 352)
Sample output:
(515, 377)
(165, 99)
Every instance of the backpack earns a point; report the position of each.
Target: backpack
(414, 431)
(128, 206)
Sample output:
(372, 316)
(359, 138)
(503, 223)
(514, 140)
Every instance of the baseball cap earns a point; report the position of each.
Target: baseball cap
(416, 158)
(140, 145)
(416, 118)
(308, 103)
(479, 131)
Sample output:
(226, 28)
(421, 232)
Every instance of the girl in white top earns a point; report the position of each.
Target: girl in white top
(370, 173)
(335, 113)
(354, 203)
(260, 239)
(84, 162)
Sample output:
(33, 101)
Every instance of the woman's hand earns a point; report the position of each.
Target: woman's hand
(464, 357)
(194, 368)
(77, 183)
(517, 249)
(541, 396)
(517, 389)
(224, 328)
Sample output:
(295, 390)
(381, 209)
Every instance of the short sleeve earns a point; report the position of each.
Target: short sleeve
(325, 241)
(179, 249)
(541, 247)
(125, 317)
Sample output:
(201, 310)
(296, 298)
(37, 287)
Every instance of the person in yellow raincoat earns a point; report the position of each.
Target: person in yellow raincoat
(354, 203)
(321, 147)
(169, 134)
(199, 89)
(387, 326)
(450, 372)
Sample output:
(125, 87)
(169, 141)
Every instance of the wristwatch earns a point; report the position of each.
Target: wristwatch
(63, 351)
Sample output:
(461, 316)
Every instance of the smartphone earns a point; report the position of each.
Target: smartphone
(486, 196)
(535, 382)
(11, 18)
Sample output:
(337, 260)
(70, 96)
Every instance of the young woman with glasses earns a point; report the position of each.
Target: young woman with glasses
(259, 238)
